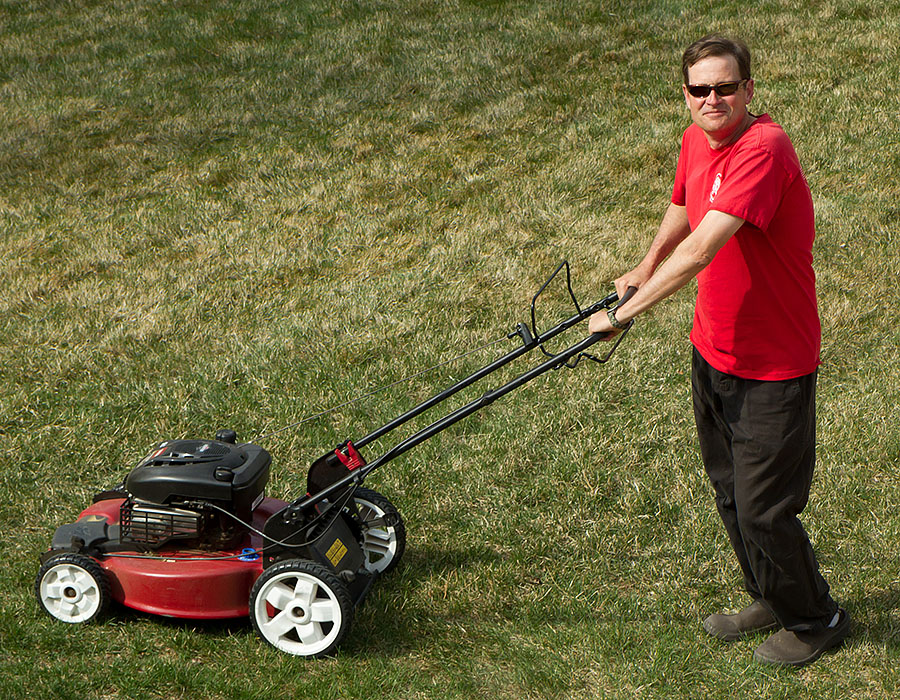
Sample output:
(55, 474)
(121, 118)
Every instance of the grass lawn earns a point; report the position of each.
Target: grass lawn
(237, 214)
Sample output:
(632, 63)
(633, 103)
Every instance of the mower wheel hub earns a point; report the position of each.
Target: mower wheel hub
(300, 613)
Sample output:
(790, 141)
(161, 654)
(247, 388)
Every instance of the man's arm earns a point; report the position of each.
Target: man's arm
(673, 229)
(689, 255)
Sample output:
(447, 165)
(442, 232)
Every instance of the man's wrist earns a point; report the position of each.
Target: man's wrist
(614, 322)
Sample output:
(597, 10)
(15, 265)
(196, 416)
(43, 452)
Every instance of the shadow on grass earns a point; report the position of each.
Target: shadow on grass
(423, 601)
(876, 617)
(121, 615)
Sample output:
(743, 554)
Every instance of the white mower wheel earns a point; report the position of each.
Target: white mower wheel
(301, 607)
(72, 588)
(383, 546)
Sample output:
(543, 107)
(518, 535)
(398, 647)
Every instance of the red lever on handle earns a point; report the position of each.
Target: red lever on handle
(352, 459)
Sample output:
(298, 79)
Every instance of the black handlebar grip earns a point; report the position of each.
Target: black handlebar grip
(630, 292)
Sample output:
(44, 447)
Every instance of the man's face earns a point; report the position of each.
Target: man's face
(718, 116)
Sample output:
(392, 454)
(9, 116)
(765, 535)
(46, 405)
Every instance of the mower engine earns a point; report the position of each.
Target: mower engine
(193, 490)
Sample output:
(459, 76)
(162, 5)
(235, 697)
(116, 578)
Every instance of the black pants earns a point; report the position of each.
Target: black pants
(757, 439)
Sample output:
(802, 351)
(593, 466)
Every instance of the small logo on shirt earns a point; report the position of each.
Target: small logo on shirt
(715, 188)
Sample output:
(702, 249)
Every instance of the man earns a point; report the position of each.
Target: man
(741, 221)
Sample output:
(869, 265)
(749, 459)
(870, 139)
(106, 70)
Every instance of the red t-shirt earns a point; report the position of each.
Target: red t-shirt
(756, 315)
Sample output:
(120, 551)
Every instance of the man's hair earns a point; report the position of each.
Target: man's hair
(716, 45)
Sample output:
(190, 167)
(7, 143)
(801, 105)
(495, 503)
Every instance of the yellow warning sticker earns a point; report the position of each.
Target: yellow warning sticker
(336, 552)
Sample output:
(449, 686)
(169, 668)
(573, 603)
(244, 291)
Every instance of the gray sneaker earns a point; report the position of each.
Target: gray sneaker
(756, 617)
(786, 648)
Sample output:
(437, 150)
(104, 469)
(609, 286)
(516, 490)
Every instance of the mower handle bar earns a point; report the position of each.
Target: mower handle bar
(554, 362)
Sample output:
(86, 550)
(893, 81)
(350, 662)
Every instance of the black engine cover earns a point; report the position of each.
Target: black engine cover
(234, 475)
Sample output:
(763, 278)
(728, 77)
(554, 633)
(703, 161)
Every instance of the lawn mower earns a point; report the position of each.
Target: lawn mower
(190, 533)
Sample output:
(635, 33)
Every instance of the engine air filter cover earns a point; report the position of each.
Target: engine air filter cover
(204, 469)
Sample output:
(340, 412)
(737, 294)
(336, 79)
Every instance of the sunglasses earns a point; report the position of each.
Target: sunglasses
(722, 89)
